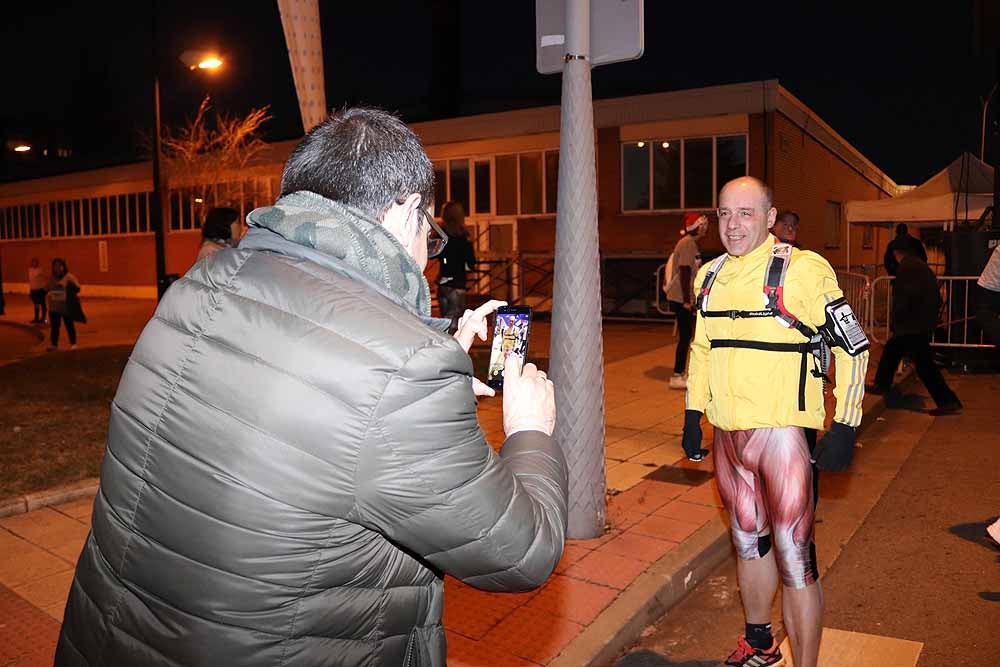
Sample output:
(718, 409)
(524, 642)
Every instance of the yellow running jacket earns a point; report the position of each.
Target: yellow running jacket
(739, 388)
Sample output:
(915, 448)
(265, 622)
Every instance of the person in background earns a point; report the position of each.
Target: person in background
(906, 243)
(988, 310)
(217, 231)
(457, 258)
(786, 228)
(683, 265)
(37, 282)
(915, 305)
(62, 291)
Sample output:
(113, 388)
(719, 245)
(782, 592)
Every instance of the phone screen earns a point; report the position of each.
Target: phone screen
(510, 336)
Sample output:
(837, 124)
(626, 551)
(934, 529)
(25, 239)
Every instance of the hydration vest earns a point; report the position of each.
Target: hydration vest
(774, 306)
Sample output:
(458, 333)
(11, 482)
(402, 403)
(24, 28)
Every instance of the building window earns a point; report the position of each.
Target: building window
(667, 174)
(635, 176)
(21, 222)
(831, 225)
(440, 187)
(551, 181)
(458, 183)
(483, 176)
(680, 173)
(506, 184)
(730, 158)
(868, 237)
(530, 180)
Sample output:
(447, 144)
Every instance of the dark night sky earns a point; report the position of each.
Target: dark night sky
(902, 85)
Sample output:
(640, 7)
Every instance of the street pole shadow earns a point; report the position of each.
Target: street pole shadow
(661, 373)
(646, 658)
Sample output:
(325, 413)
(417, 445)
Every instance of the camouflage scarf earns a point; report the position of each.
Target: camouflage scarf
(347, 235)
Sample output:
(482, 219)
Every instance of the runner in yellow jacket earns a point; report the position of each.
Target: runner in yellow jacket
(756, 370)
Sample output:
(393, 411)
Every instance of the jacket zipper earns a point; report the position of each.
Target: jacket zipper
(408, 656)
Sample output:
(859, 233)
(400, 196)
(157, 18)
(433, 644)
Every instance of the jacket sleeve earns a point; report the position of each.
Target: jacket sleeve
(430, 482)
(698, 392)
(822, 287)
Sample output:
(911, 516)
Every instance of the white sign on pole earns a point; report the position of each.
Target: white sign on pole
(616, 33)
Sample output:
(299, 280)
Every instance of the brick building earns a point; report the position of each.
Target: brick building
(658, 156)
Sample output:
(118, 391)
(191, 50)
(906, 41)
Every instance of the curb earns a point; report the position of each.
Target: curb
(29, 502)
(650, 596)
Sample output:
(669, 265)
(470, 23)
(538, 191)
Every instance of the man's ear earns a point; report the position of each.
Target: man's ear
(772, 217)
(400, 221)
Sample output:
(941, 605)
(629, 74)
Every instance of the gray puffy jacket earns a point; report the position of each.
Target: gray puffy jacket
(293, 462)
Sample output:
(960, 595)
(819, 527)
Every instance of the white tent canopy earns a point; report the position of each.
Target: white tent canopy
(960, 191)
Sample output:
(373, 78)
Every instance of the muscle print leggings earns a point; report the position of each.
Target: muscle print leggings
(765, 480)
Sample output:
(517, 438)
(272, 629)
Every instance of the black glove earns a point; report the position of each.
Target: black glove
(691, 440)
(835, 449)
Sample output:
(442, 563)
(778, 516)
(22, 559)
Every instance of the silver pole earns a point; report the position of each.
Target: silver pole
(577, 363)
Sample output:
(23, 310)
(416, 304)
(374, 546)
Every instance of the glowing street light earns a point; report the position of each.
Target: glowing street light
(204, 60)
(210, 63)
(22, 148)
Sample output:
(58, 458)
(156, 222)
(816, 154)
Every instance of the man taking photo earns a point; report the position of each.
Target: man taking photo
(294, 459)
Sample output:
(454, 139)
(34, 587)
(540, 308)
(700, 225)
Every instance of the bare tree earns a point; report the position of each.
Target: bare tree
(210, 148)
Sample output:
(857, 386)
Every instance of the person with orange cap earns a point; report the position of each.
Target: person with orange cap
(678, 286)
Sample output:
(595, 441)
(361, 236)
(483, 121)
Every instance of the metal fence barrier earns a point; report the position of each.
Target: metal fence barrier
(957, 326)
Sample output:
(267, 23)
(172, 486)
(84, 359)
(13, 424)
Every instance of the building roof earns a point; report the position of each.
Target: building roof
(741, 98)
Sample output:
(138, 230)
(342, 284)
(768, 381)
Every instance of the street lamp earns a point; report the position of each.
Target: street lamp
(22, 148)
(982, 136)
(193, 60)
(201, 60)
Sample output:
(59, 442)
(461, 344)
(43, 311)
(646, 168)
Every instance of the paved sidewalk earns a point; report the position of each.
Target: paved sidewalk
(665, 532)
(109, 322)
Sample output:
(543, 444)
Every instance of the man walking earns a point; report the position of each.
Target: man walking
(755, 374)
(915, 305)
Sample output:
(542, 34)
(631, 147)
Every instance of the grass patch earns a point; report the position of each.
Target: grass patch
(54, 420)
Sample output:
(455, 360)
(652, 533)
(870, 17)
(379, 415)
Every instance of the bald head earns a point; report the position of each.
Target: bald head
(751, 184)
(746, 214)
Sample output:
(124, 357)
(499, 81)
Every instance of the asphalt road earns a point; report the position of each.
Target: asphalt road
(902, 549)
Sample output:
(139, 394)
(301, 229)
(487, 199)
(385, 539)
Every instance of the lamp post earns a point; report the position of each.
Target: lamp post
(193, 60)
(982, 136)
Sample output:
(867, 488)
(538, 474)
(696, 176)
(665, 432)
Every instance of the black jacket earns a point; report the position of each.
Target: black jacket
(458, 254)
(905, 242)
(916, 300)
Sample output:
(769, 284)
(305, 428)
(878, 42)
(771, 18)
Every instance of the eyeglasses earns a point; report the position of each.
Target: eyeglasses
(436, 238)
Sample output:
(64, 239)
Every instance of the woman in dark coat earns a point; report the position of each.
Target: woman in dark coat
(457, 258)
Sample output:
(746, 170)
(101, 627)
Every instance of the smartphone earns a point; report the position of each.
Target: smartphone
(510, 336)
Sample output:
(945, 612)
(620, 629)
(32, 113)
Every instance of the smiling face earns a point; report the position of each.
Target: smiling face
(745, 215)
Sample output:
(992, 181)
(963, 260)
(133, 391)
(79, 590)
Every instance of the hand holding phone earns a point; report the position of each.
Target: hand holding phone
(529, 400)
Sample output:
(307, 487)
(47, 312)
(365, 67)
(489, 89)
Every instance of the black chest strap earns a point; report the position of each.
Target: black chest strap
(804, 350)
(774, 285)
